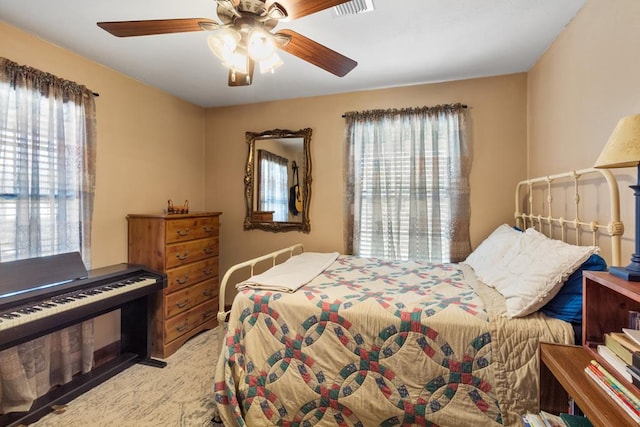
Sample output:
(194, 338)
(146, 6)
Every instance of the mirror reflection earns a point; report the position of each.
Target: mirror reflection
(278, 180)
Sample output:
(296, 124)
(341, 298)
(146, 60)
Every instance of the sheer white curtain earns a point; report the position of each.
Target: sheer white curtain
(47, 182)
(408, 184)
(273, 193)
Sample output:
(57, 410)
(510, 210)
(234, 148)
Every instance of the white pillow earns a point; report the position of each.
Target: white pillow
(498, 246)
(536, 273)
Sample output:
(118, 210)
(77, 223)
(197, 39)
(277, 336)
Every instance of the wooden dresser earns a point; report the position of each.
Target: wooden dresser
(185, 247)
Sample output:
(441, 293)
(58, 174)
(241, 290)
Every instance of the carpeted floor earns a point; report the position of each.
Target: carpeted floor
(179, 395)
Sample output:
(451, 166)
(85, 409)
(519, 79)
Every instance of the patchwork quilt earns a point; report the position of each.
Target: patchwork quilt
(380, 343)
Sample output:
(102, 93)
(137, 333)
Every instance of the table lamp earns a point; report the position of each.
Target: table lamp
(623, 151)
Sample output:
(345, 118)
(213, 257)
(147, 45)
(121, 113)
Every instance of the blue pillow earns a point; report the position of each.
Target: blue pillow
(567, 304)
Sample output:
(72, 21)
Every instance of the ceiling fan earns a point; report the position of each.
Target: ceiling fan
(243, 36)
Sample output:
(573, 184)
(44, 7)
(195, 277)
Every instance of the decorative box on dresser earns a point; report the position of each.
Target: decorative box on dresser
(606, 303)
(185, 247)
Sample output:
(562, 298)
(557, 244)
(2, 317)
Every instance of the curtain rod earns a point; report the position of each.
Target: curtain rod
(462, 105)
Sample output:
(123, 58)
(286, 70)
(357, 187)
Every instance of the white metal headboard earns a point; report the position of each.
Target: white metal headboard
(614, 227)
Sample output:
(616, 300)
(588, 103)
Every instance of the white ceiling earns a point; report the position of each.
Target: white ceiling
(402, 42)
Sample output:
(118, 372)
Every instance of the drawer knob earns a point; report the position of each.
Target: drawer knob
(208, 250)
(207, 314)
(207, 271)
(183, 256)
(182, 281)
(183, 327)
(207, 229)
(183, 233)
(182, 304)
(207, 292)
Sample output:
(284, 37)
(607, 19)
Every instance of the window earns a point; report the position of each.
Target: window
(272, 190)
(46, 164)
(407, 188)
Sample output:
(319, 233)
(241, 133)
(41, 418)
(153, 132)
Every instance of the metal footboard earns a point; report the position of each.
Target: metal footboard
(248, 268)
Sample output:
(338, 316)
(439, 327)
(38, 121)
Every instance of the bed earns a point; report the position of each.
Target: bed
(368, 342)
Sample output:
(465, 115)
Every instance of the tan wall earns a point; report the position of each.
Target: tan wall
(497, 128)
(150, 147)
(578, 91)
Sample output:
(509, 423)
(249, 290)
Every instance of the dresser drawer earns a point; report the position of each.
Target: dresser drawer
(184, 322)
(179, 230)
(187, 275)
(188, 252)
(183, 300)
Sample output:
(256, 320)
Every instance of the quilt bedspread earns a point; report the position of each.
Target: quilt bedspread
(380, 343)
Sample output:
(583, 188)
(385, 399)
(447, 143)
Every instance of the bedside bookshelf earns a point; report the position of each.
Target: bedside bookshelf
(606, 305)
(607, 301)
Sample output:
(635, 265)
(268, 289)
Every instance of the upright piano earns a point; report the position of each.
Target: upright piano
(42, 295)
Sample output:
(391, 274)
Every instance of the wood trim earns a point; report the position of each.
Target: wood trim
(105, 354)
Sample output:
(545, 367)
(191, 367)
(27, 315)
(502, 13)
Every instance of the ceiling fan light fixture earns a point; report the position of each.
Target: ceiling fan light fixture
(260, 44)
(270, 64)
(223, 43)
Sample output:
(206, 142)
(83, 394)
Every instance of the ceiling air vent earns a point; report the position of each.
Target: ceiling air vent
(353, 7)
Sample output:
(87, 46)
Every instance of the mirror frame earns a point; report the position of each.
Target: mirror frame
(251, 138)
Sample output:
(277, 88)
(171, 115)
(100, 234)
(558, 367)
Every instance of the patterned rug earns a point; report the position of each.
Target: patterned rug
(180, 394)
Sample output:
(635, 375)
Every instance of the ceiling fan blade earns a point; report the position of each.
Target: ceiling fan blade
(317, 54)
(237, 78)
(157, 26)
(299, 8)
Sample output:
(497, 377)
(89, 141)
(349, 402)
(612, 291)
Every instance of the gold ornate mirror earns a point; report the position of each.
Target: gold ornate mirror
(277, 182)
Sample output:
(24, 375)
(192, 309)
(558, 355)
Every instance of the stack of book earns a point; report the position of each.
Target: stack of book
(622, 351)
(614, 388)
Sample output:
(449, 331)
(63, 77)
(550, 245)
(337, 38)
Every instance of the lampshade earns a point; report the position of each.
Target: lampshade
(623, 148)
(622, 151)
(271, 63)
(223, 43)
(260, 44)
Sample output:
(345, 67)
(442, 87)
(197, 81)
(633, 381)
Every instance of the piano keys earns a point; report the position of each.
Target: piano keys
(60, 303)
(65, 302)
(41, 295)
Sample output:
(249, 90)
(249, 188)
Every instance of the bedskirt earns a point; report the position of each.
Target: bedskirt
(371, 342)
